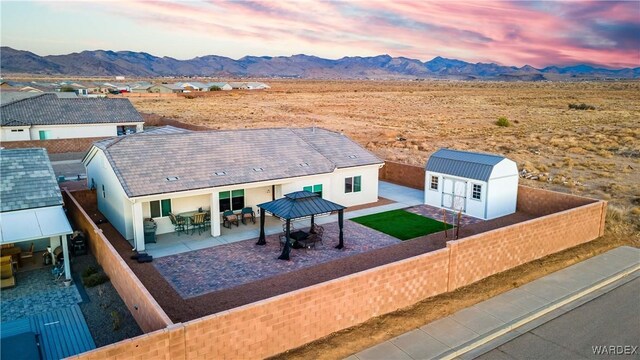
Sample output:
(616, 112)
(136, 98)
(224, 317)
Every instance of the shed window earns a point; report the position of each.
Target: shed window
(160, 208)
(353, 184)
(434, 183)
(476, 192)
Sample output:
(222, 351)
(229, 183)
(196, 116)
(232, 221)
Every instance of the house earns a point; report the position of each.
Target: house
(11, 96)
(46, 116)
(222, 85)
(257, 86)
(150, 175)
(484, 186)
(238, 86)
(140, 89)
(31, 212)
(165, 89)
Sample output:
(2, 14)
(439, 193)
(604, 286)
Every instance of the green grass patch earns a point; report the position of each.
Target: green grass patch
(401, 224)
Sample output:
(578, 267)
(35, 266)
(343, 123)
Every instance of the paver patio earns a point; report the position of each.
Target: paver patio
(221, 267)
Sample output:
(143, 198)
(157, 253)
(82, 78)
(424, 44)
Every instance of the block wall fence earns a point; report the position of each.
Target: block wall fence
(144, 308)
(54, 146)
(271, 326)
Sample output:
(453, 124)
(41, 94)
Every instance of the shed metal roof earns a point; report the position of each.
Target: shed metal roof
(300, 204)
(464, 164)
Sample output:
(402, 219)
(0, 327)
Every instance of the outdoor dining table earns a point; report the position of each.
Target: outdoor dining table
(188, 216)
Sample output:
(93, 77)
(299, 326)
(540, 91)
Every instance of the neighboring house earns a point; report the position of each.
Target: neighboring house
(165, 89)
(151, 175)
(48, 117)
(11, 96)
(31, 208)
(257, 86)
(222, 85)
(140, 89)
(484, 186)
(238, 85)
(192, 86)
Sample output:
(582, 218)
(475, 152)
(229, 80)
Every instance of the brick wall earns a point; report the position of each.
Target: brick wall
(157, 120)
(402, 174)
(148, 314)
(479, 256)
(544, 202)
(54, 146)
(274, 325)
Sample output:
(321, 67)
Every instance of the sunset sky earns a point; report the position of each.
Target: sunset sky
(510, 33)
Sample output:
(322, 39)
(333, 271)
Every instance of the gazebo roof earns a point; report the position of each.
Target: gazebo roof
(300, 204)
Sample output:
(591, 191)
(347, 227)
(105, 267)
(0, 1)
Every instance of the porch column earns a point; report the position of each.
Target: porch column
(262, 240)
(65, 252)
(340, 225)
(138, 226)
(215, 213)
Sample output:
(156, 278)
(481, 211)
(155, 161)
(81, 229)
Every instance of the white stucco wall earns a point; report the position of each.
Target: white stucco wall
(15, 133)
(369, 186)
(503, 196)
(114, 205)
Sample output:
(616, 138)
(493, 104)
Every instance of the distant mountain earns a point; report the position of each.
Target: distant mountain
(128, 63)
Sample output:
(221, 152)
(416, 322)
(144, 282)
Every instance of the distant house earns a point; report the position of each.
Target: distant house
(257, 86)
(137, 89)
(238, 86)
(11, 96)
(31, 212)
(193, 86)
(136, 179)
(48, 117)
(484, 186)
(222, 85)
(165, 89)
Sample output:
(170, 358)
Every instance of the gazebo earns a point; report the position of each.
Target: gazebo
(299, 205)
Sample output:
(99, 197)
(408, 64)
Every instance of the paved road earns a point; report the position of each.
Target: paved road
(611, 319)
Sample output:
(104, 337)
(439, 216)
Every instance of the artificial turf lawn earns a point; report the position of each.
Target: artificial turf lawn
(401, 224)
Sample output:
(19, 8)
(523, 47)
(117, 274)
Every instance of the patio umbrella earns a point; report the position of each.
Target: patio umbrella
(297, 205)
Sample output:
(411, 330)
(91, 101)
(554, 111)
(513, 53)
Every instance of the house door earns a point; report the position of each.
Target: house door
(454, 194)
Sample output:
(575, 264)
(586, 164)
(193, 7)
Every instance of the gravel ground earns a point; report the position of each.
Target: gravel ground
(103, 301)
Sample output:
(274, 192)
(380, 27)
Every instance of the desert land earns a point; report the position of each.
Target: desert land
(588, 152)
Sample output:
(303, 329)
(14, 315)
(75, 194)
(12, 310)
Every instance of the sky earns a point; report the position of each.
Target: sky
(605, 33)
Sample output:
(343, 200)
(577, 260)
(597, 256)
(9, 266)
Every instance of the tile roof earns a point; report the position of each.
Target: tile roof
(465, 164)
(143, 163)
(48, 109)
(11, 96)
(27, 180)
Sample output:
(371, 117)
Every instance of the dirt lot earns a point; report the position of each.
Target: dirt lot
(587, 152)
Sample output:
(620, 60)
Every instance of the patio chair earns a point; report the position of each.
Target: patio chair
(197, 221)
(179, 223)
(28, 254)
(315, 236)
(7, 279)
(207, 220)
(229, 218)
(248, 214)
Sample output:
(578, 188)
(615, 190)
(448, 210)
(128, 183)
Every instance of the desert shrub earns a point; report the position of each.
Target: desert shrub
(95, 279)
(116, 320)
(503, 121)
(90, 270)
(215, 88)
(582, 106)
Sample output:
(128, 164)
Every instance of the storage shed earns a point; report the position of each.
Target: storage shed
(484, 186)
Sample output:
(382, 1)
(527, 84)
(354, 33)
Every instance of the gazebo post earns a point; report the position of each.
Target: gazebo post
(340, 225)
(262, 240)
(311, 231)
(286, 249)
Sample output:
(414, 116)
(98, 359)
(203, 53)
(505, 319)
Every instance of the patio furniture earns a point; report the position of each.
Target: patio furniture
(179, 223)
(6, 273)
(13, 252)
(248, 214)
(197, 221)
(315, 236)
(229, 218)
(283, 236)
(77, 244)
(28, 254)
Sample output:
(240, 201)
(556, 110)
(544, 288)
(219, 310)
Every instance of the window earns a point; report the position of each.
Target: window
(353, 184)
(231, 200)
(434, 182)
(314, 189)
(17, 130)
(476, 192)
(104, 193)
(160, 208)
(45, 134)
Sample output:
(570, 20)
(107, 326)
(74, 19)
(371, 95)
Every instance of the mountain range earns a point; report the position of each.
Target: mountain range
(140, 64)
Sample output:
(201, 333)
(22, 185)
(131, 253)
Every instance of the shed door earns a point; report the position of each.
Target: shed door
(454, 194)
